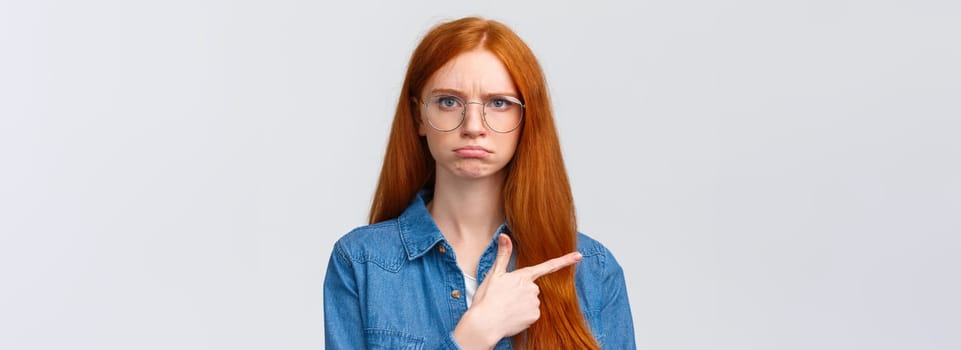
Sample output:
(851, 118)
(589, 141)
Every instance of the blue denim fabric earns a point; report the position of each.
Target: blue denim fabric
(390, 286)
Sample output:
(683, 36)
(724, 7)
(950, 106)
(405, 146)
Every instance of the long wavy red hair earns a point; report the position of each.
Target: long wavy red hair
(537, 196)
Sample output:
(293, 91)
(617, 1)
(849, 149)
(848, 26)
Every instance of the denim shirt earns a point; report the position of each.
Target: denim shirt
(396, 285)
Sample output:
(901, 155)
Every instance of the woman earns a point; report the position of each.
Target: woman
(472, 241)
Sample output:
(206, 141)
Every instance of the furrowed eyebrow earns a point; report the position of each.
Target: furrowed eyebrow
(446, 92)
(458, 93)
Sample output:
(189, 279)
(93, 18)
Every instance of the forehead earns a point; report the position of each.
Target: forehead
(475, 72)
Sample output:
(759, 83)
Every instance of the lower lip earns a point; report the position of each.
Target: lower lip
(470, 153)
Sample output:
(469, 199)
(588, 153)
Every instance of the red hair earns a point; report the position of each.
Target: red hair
(537, 196)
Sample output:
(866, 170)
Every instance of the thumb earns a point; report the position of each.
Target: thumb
(504, 248)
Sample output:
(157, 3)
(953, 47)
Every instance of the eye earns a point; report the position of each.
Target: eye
(500, 103)
(447, 102)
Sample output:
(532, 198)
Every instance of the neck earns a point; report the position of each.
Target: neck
(468, 210)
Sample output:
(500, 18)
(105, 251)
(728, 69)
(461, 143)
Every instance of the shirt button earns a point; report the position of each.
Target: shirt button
(455, 294)
(441, 249)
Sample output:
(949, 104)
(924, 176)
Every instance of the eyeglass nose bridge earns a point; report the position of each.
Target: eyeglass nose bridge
(463, 112)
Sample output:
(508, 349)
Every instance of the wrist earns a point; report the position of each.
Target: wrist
(472, 333)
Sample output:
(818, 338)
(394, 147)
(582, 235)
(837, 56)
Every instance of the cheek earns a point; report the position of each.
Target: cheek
(511, 144)
(516, 138)
(434, 142)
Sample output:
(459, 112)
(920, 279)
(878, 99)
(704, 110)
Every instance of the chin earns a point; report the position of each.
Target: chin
(473, 169)
(471, 173)
(476, 172)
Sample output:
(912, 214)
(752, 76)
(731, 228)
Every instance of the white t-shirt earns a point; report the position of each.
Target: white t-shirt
(470, 283)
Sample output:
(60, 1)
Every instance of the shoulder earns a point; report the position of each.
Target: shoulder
(378, 243)
(383, 232)
(598, 276)
(598, 263)
(589, 246)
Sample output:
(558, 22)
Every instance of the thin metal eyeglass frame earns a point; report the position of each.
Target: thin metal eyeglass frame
(463, 112)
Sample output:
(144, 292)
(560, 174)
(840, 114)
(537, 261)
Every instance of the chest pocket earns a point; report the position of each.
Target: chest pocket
(378, 339)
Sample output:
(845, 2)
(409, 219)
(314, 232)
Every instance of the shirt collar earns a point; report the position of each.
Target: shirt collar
(418, 232)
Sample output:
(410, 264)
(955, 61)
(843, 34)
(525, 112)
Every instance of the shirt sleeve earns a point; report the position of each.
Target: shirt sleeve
(343, 323)
(616, 316)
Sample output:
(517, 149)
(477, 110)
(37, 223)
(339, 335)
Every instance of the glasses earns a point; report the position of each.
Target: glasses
(501, 114)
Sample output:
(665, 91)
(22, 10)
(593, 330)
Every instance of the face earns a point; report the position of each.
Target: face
(472, 150)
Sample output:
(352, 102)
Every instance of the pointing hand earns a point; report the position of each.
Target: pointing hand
(506, 303)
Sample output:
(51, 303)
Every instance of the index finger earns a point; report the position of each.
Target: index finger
(551, 266)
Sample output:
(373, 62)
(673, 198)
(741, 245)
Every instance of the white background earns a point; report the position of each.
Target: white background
(771, 174)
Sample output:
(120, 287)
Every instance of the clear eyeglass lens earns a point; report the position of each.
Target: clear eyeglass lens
(501, 114)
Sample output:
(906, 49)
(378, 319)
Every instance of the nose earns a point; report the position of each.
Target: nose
(473, 120)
